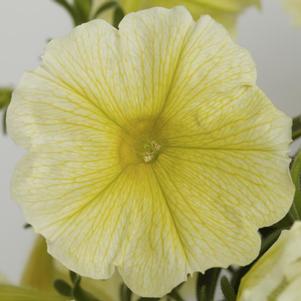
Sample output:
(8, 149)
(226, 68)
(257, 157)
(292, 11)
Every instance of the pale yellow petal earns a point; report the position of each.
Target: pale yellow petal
(277, 274)
(236, 145)
(93, 75)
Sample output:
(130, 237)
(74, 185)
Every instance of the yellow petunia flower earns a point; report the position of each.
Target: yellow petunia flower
(277, 275)
(294, 7)
(224, 11)
(150, 149)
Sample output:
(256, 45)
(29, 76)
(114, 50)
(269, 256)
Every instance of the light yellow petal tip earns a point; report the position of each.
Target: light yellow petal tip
(151, 150)
(276, 275)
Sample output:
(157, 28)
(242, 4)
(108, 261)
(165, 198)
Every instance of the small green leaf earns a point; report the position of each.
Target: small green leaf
(4, 128)
(296, 127)
(75, 278)
(174, 294)
(78, 293)
(227, 289)
(206, 284)
(5, 97)
(125, 293)
(106, 6)
(63, 288)
(269, 240)
(84, 6)
(118, 16)
(70, 9)
(296, 176)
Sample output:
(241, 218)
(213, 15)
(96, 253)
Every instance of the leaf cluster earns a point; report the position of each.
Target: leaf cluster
(81, 11)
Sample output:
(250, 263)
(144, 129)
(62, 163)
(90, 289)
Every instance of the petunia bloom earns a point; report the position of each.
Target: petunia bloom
(150, 150)
(294, 7)
(223, 11)
(277, 274)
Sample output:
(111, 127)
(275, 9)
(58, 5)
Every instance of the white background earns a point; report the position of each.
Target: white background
(25, 25)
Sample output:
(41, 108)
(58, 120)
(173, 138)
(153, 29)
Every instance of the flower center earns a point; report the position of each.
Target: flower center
(142, 143)
(151, 151)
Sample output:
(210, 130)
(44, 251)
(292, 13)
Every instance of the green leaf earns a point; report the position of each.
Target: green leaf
(84, 6)
(118, 16)
(70, 9)
(174, 294)
(269, 240)
(104, 7)
(125, 293)
(4, 128)
(206, 284)
(63, 288)
(5, 97)
(78, 293)
(227, 289)
(74, 278)
(297, 127)
(296, 176)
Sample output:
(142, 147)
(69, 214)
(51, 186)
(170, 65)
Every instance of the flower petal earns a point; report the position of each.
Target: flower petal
(276, 275)
(241, 141)
(128, 79)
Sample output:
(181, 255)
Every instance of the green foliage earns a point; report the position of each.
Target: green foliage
(63, 288)
(5, 97)
(83, 8)
(74, 290)
(227, 289)
(118, 16)
(106, 6)
(295, 211)
(296, 127)
(125, 293)
(206, 285)
(80, 11)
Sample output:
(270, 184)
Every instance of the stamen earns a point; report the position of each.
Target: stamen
(151, 151)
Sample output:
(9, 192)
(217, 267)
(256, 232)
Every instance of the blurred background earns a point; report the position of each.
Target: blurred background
(25, 26)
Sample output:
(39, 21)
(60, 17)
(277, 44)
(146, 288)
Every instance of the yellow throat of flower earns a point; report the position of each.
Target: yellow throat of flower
(142, 144)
